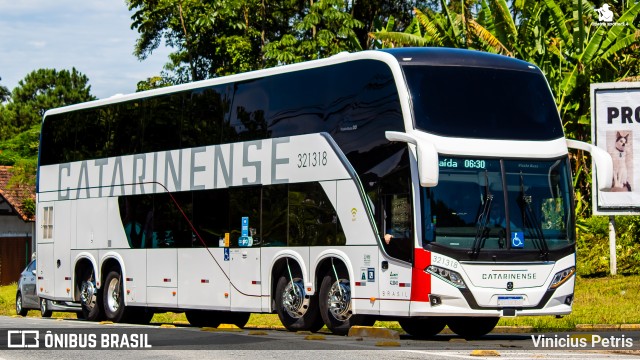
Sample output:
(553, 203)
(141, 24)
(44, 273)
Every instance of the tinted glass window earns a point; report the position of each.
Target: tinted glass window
(312, 219)
(356, 102)
(163, 118)
(158, 221)
(244, 203)
(203, 122)
(471, 206)
(483, 103)
(275, 214)
(211, 216)
(388, 185)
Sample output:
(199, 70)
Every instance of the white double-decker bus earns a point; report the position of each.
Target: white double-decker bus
(428, 186)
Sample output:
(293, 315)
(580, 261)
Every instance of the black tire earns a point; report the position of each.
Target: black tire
(202, 318)
(92, 307)
(423, 328)
(20, 310)
(309, 321)
(79, 315)
(45, 312)
(340, 320)
(239, 319)
(472, 327)
(113, 297)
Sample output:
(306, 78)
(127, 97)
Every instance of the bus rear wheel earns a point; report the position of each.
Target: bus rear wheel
(335, 304)
(90, 297)
(113, 300)
(423, 328)
(296, 310)
(472, 327)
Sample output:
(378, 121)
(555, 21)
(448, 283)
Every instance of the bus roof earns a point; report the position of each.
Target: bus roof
(458, 57)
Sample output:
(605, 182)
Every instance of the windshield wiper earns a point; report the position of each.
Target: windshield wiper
(482, 231)
(530, 221)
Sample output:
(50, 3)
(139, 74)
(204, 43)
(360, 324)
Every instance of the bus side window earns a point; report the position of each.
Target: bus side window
(244, 203)
(275, 214)
(211, 217)
(397, 226)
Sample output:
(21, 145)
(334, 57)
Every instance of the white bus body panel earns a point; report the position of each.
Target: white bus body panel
(44, 252)
(202, 284)
(91, 224)
(162, 277)
(245, 274)
(45, 270)
(135, 275)
(353, 215)
(62, 240)
(395, 287)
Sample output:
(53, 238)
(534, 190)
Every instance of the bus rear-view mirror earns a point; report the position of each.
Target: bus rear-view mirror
(428, 169)
(601, 159)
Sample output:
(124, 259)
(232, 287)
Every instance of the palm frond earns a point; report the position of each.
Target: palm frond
(485, 36)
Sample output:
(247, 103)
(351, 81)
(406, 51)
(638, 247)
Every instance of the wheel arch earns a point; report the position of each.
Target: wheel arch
(113, 260)
(278, 265)
(323, 265)
(81, 262)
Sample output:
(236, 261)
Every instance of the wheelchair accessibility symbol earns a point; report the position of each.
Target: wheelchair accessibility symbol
(517, 241)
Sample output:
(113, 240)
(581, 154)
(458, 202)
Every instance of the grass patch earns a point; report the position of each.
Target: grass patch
(608, 300)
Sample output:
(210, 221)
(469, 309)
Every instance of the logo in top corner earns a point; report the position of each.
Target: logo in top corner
(604, 14)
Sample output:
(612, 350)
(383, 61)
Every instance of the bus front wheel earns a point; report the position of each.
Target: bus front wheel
(423, 328)
(472, 327)
(297, 310)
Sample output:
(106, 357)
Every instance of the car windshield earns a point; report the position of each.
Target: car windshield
(476, 102)
(501, 205)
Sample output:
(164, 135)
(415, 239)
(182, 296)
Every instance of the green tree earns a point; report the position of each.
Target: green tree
(4, 93)
(327, 29)
(213, 38)
(38, 92)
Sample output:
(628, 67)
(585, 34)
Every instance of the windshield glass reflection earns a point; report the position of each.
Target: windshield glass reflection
(492, 204)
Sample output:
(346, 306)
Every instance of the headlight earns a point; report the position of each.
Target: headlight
(447, 275)
(561, 277)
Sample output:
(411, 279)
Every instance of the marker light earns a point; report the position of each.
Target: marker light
(447, 275)
(561, 277)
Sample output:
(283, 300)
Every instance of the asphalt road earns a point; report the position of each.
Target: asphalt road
(75, 339)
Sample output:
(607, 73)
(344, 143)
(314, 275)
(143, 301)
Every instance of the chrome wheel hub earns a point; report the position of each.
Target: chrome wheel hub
(113, 295)
(294, 300)
(339, 300)
(88, 294)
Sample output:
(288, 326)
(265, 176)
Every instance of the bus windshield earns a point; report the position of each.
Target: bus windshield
(476, 102)
(499, 205)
